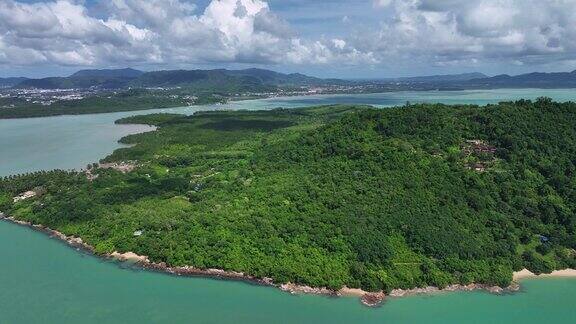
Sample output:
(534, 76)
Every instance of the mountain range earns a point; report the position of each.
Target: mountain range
(222, 80)
(438, 78)
(108, 73)
(529, 80)
(10, 82)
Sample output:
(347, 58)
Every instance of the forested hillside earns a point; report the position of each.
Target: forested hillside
(331, 196)
(213, 81)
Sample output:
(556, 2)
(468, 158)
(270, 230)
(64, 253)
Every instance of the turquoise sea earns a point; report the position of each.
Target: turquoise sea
(44, 281)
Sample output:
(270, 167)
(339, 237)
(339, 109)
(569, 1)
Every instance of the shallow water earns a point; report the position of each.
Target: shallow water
(44, 281)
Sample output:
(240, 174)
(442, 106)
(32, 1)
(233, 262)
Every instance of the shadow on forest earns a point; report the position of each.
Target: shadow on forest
(239, 124)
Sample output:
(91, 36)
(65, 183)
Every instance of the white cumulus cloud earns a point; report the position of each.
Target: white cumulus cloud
(373, 33)
(444, 31)
(65, 32)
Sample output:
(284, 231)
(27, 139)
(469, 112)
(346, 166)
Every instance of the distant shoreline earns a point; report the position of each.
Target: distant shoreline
(270, 97)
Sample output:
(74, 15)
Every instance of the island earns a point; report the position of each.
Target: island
(332, 199)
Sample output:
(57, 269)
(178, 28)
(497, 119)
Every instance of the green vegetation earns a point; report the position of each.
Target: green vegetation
(333, 196)
(75, 82)
(220, 81)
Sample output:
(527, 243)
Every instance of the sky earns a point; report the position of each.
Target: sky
(327, 38)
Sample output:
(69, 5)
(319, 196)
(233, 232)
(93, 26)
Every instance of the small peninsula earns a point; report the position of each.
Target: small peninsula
(329, 197)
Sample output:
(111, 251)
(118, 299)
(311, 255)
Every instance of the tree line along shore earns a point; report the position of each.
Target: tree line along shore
(331, 196)
(370, 299)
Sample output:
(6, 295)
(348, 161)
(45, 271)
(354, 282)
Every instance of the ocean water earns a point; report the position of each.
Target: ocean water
(44, 281)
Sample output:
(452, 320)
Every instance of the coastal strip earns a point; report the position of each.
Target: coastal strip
(142, 261)
(371, 299)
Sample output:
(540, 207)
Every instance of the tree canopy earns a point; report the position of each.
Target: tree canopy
(335, 195)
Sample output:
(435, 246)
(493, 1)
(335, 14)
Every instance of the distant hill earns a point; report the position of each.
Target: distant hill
(219, 80)
(529, 80)
(75, 83)
(281, 79)
(260, 80)
(46, 83)
(10, 82)
(431, 79)
(445, 77)
(108, 79)
(481, 81)
(108, 73)
(255, 79)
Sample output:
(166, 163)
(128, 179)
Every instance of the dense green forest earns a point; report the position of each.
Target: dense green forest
(334, 195)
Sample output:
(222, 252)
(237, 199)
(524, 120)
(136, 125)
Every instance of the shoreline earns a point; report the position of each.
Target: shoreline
(283, 96)
(527, 274)
(141, 261)
(370, 299)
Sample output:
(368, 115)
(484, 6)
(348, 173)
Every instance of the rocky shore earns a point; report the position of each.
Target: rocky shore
(142, 261)
(75, 242)
(371, 299)
(456, 287)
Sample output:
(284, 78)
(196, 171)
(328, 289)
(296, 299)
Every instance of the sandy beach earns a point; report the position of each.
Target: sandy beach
(525, 273)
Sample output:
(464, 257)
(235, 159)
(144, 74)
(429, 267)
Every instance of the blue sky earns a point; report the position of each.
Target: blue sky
(329, 38)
